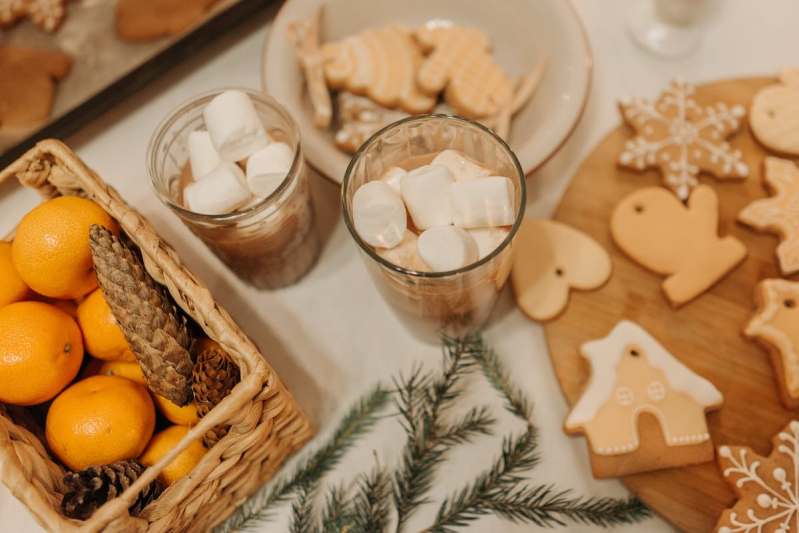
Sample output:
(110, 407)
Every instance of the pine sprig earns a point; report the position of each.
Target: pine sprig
(302, 511)
(372, 503)
(337, 513)
(516, 402)
(477, 421)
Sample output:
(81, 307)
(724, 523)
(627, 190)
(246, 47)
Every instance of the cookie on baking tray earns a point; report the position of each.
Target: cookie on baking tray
(664, 235)
(774, 114)
(681, 138)
(767, 487)
(549, 260)
(47, 14)
(642, 409)
(780, 213)
(775, 325)
(145, 20)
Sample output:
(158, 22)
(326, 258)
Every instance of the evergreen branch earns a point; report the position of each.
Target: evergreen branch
(359, 420)
(477, 421)
(372, 503)
(302, 511)
(337, 514)
(516, 402)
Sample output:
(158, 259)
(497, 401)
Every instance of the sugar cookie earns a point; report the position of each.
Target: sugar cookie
(766, 487)
(776, 326)
(145, 20)
(682, 138)
(551, 258)
(774, 114)
(631, 375)
(662, 234)
(780, 213)
(305, 37)
(359, 119)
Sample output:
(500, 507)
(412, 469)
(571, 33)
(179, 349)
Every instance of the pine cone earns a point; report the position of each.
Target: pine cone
(156, 331)
(89, 489)
(214, 376)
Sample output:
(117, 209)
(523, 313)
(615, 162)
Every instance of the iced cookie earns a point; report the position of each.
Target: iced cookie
(780, 213)
(145, 20)
(47, 14)
(460, 63)
(664, 235)
(766, 487)
(550, 259)
(380, 63)
(774, 114)
(359, 118)
(28, 83)
(634, 375)
(776, 326)
(305, 37)
(682, 138)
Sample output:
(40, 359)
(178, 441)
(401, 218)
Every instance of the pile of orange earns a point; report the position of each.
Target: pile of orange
(51, 311)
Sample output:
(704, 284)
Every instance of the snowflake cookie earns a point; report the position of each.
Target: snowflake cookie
(682, 138)
(767, 490)
(47, 14)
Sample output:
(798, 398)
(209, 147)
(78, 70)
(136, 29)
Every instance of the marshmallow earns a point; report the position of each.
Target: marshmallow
(268, 167)
(445, 248)
(405, 254)
(393, 178)
(234, 125)
(461, 167)
(379, 215)
(218, 192)
(483, 202)
(203, 157)
(488, 239)
(426, 194)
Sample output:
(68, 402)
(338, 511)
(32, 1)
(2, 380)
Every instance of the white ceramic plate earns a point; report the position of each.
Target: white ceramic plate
(522, 33)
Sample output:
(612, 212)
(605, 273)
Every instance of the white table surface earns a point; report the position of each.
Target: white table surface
(332, 336)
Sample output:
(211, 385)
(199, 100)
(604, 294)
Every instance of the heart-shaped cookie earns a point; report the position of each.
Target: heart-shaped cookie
(551, 258)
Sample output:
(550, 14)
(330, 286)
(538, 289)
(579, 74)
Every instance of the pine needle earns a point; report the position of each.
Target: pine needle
(516, 402)
(337, 514)
(372, 503)
(302, 512)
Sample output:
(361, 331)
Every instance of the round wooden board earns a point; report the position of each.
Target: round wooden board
(705, 334)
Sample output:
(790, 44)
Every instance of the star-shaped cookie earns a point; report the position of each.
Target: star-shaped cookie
(47, 14)
(780, 213)
(682, 138)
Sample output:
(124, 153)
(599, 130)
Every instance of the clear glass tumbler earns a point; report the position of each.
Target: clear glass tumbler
(270, 243)
(460, 301)
(668, 28)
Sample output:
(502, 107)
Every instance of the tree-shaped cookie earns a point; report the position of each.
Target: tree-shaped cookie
(780, 213)
(776, 326)
(664, 235)
(774, 114)
(767, 487)
(633, 374)
(682, 138)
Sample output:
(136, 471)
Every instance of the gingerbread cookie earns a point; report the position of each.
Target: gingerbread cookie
(780, 213)
(305, 37)
(145, 20)
(47, 14)
(664, 235)
(633, 375)
(461, 64)
(774, 114)
(27, 84)
(767, 487)
(776, 326)
(380, 63)
(359, 118)
(682, 138)
(549, 260)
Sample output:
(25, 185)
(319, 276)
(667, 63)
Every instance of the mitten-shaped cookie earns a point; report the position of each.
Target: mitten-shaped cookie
(661, 233)
(775, 114)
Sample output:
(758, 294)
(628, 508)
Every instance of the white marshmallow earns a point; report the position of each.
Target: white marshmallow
(234, 125)
(393, 178)
(445, 248)
(379, 215)
(426, 194)
(203, 157)
(268, 167)
(405, 254)
(488, 239)
(483, 202)
(461, 167)
(218, 192)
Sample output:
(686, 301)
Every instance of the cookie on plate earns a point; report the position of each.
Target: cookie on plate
(774, 114)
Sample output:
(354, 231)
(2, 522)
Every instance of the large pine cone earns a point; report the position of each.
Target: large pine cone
(156, 331)
(89, 489)
(215, 374)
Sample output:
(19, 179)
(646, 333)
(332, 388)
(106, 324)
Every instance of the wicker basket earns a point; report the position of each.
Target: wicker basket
(266, 423)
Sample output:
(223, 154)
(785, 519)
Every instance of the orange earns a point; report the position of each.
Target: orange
(101, 333)
(51, 248)
(12, 288)
(131, 371)
(100, 420)
(163, 443)
(41, 351)
(182, 416)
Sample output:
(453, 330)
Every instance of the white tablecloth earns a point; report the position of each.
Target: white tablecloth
(332, 336)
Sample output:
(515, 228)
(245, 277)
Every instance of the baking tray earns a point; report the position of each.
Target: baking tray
(106, 69)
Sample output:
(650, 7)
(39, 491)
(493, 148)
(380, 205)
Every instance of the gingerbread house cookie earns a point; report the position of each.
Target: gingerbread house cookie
(634, 376)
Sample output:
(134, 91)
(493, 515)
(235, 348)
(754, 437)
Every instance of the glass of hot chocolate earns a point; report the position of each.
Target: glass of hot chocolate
(434, 203)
